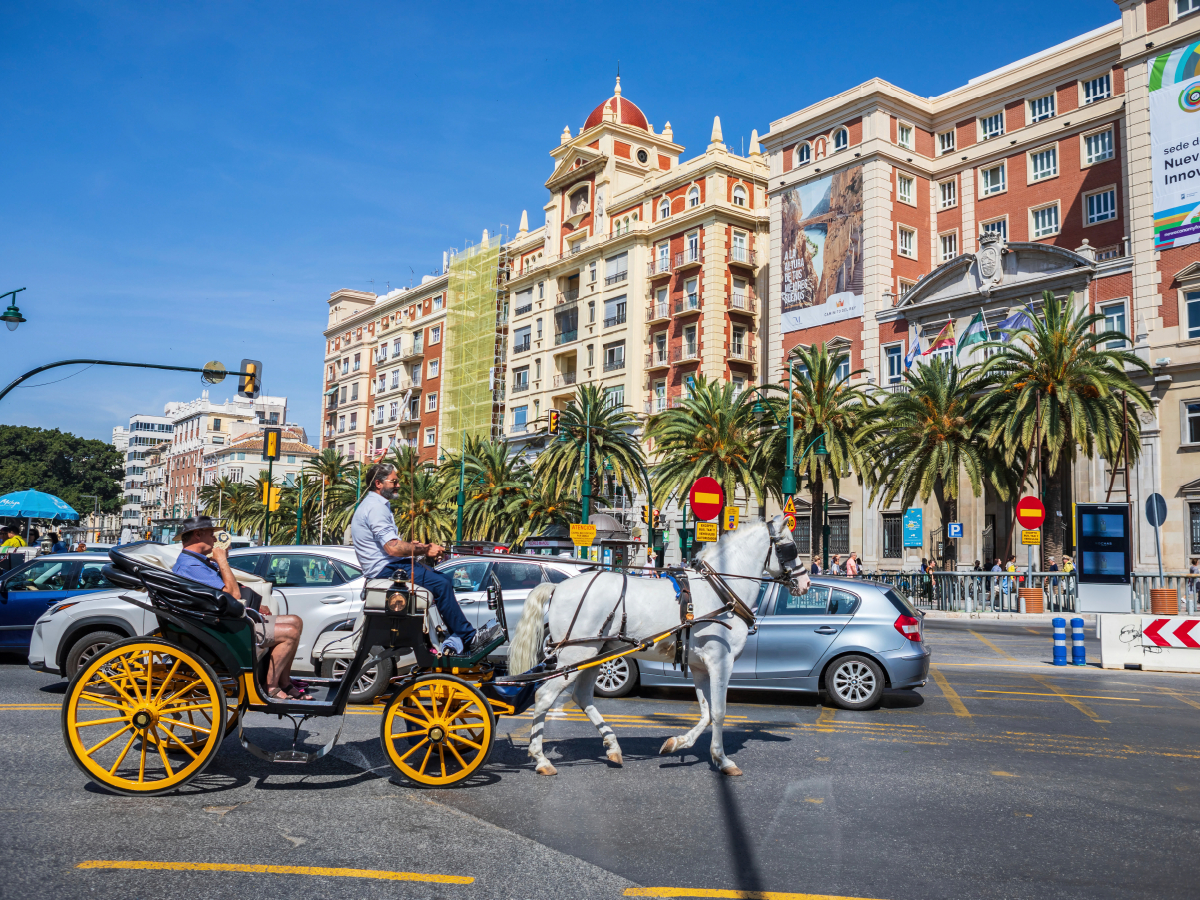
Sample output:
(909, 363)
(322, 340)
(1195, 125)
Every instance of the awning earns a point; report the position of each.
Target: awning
(332, 390)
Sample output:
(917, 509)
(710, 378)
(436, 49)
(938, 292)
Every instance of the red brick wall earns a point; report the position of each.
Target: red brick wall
(1111, 288)
(1157, 14)
(1118, 80)
(851, 329)
(916, 218)
(1014, 116)
(664, 162)
(952, 217)
(965, 133)
(1066, 97)
(1169, 262)
(854, 126)
(621, 149)
(924, 142)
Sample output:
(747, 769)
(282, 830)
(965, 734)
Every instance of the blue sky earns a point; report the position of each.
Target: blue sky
(188, 181)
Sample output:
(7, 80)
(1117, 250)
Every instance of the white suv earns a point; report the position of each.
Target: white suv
(320, 584)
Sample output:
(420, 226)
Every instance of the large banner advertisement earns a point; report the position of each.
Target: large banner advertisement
(822, 251)
(1175, 146)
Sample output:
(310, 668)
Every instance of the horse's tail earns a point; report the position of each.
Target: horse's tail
(522, 651)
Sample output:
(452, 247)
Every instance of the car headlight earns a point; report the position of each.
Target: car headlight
(56, 610)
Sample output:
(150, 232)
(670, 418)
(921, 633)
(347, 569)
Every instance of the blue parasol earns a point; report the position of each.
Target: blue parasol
(36, 505)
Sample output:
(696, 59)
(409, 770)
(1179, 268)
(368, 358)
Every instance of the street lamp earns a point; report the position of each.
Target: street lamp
(12, 316)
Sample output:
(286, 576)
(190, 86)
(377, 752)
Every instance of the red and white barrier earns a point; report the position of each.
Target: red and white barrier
(1152, 643)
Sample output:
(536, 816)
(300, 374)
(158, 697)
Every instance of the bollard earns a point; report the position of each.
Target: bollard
(1060, 642)
(1078, 651)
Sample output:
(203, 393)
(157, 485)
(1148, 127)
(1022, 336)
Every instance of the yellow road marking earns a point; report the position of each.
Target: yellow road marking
(1178, 696)
(1004, 774)
(732, 895)
(321, 871)
(956, 704)
(826, 716)
(1082, 707)
(1077, 696)
(1032, 631)
(1003, 653)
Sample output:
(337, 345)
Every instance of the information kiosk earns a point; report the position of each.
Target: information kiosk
(1104, 557)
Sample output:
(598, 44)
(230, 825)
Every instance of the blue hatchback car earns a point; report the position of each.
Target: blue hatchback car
(29, 590)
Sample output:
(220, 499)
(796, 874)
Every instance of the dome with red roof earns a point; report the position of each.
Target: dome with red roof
(626, 113)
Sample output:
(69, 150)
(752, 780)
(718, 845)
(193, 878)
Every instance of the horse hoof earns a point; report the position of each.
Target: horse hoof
(614, 756)
(547, 769)
(731, 770)
(669, 746)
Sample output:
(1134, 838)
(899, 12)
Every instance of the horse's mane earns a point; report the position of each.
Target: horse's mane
(731, 545)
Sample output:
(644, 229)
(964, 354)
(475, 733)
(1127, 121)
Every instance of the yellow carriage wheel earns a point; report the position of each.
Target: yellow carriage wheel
(125, 717)
(437, 730)
(234, 692)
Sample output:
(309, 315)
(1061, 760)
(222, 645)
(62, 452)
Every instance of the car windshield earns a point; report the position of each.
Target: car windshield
(466, 576)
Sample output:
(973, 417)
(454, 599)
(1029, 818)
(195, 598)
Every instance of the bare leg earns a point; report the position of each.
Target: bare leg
(546, 695)
(585, 686)
(684, 741)
(287, 638)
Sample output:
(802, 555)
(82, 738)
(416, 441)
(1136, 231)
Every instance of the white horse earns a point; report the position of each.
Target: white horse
(588, 606)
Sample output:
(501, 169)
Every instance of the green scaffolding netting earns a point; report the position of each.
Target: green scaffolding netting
(470, 351)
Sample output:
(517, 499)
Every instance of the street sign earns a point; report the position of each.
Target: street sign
(707, 531)
(789, 522)
(1030, 512)
(706, 499)
(730, 518)
(913, 531)
(1172, 632)
(1156, 509)
(789, 508)
(954, 530)
(583, 535)
(1031, 537)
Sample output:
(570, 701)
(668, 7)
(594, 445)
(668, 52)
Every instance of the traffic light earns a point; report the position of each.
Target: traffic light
(271, 443)
(657, 520)
(646, 514)
(270, 497)
(552, 421)
(250, 382)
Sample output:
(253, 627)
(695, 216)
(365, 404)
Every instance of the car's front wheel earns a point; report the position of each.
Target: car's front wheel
(370, 683)
(84, 649)
(617, 677)
(854, 682)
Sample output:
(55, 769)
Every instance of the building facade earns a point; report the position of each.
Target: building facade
(240, 459)
(144, 434)
(893, 214)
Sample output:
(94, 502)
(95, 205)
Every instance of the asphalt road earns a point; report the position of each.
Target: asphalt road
(1003, 777)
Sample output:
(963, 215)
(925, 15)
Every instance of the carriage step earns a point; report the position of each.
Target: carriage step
(292, 756)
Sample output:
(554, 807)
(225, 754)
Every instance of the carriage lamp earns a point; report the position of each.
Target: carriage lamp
(12, 316)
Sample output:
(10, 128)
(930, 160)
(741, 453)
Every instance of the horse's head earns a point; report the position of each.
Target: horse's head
(783, 560)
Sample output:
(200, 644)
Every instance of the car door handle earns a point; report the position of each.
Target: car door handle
(333, 598)
(826, 629)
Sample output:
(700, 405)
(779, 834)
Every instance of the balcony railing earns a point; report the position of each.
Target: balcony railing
(568, 296)
(413, 351)
(564, 379)
(614, 365)
(657, 405)
(618, 319)
(617, 277)
(658, 311)
(741, 255)
(743, 351)
(659, 266)
(565, 337)
(522, 347)
(689, 257)
(521, 310)
(520, 387)
(685, 354)
(686, 304)
(742, 303)
(658, 359)
(900, 387)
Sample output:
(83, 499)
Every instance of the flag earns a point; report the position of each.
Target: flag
(944, 340)
(976, 332)
(1019, 319)
(913, 352)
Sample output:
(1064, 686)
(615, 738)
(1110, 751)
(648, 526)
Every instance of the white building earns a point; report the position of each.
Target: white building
(144, 432)
(240, 460)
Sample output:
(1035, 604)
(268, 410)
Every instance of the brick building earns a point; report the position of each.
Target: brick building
(892, 214)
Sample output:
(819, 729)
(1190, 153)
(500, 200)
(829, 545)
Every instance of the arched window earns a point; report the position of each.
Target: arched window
(841, 139)
(739, 195)
(664, 209)
(627, 223)
(694, 197)
(803, 154)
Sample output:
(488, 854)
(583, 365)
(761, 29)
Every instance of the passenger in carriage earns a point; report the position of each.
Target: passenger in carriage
(381, 554)
(277, 635)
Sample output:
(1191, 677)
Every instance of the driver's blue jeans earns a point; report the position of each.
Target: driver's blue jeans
(443, 595)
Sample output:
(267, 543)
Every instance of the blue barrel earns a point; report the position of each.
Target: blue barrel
(1078, 651)
(1060, 642)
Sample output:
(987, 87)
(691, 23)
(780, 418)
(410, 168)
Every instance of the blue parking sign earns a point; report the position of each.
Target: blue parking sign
(954, 530)
(913, 532)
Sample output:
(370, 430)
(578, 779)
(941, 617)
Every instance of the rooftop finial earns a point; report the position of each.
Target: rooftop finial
(716, 132)
(617, 89)
(755, 150)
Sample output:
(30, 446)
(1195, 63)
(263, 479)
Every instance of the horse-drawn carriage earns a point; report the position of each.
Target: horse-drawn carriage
(148, 714)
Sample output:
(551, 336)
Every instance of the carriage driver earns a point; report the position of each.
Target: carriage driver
(381, 554)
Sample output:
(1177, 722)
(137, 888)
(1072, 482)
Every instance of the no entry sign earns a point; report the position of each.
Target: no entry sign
(1030, 512)
(706, 498)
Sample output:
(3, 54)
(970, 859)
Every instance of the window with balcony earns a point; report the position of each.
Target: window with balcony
(414, 374)
(658, 352)
(522, 339)
(693, 197)
(689, 387)
(991, 126)
(739, 195)
(1043, 164)
(524, 302)
(418, 342)
(346, 366)
(1101, 205)
(1098, 147)
(381, 384)
(396, 347)
(616, 268)
(395, 378)
(394, 410)
(354, 391)
(520, 379)
(353, 421)
(663, 258)
(1097, 89)
(690, 350)
(691, 248)
(948, 193)
(1042, 108)
(946, 142)
(738, 251)
(379, 414)
(737, 295)
(738, 346)
(691, 297)
(906, 189)
(659, 403)
(414, 408)
(357, 361)
(614, 312)
(614, 357)
(992, 180)
(661, 304)
(1044, 221)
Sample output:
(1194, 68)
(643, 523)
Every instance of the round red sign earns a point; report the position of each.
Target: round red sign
(1030, 512)
(707, 499)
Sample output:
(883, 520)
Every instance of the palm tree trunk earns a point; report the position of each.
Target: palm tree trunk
(816, 487)
(947, 509)
(1052, 533)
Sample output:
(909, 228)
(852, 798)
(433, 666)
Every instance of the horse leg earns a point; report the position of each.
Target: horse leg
(584, 695)
(720, 669)
(546, 695)
(684, 741)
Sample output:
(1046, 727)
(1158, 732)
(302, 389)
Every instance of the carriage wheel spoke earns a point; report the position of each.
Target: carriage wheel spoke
(158, 745)
(442, 758)
(107, 740)
(116, 687)
(100, 721)
(121, 755)
(191, 684)
(171, 735)
(142, 764)
(425, 761)
(423, 724)
(413, 749)
(463, 740)
(405, 734)
(103, 701)
(165, 722)
(167, 680)
(461, 761)
(179, 709)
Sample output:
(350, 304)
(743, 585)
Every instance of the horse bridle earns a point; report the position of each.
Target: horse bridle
(787, 553)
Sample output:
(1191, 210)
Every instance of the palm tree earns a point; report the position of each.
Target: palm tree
(424, 509)
(329, 493)
(539, 506)
(824, 405)
(925, 437)
(494, 476)
(1060, 385)
(715, 433)
(215, 497)
(591, 420)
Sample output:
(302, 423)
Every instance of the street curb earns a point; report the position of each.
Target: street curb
(1089, 619)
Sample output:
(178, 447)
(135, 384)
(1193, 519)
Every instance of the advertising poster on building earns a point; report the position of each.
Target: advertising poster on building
(914, 534)
(1175, 146)
(822, 251)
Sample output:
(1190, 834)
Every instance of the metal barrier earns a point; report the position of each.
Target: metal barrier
(975, 592)
(1186, 586)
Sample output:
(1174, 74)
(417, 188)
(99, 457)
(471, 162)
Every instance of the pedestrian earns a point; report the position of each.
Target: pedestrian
(835, 567)
(59, 545)
(81, 547)
(978, 567)
(12, 539)
(1193, 569)
(852, 564)
(998, 583)
(816, 566)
